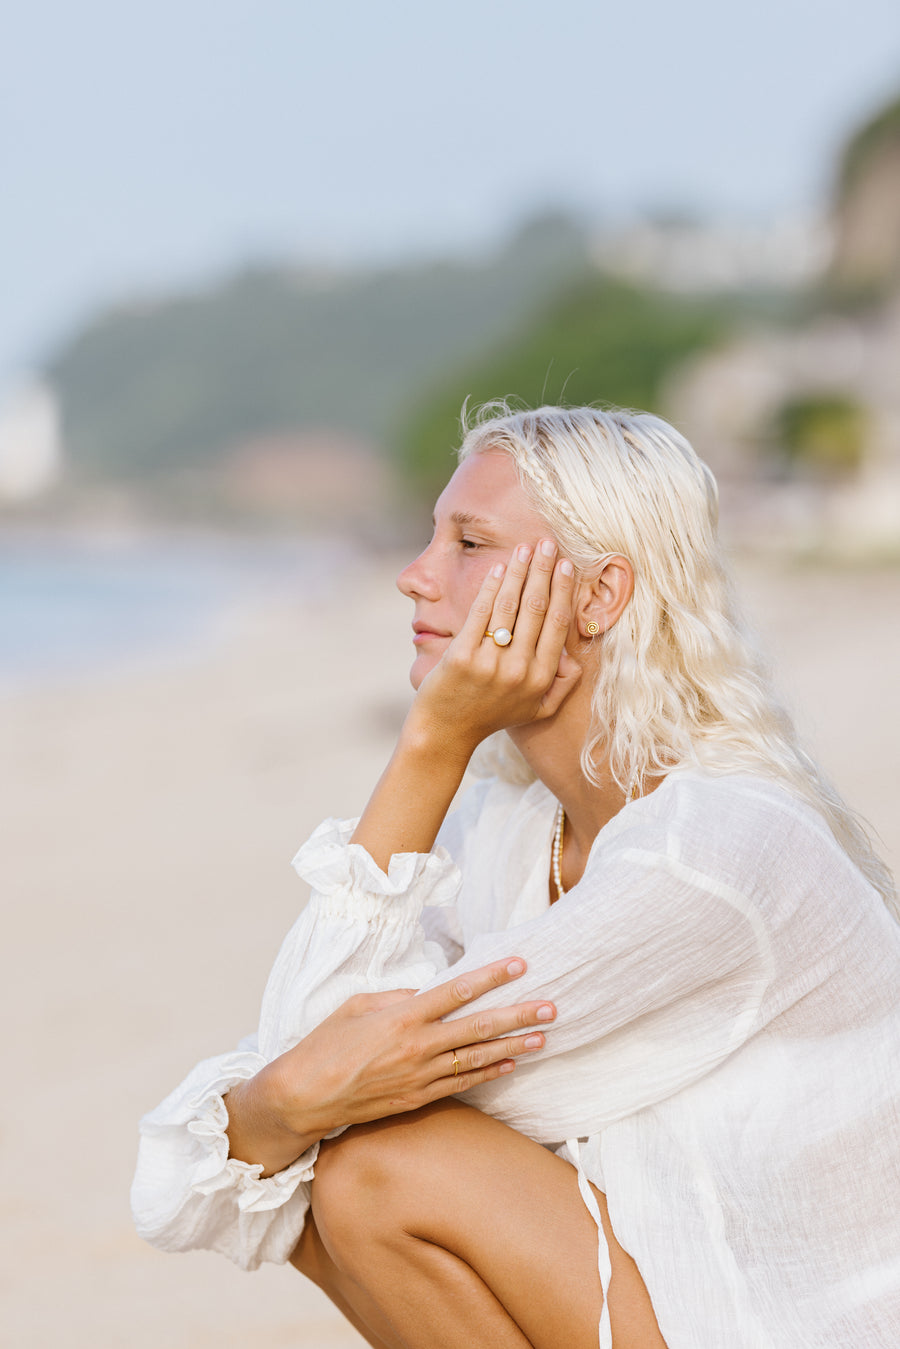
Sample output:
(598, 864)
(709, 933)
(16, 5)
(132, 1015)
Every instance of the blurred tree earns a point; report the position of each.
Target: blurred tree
(162, 386)
(821, 433)
(603, 341)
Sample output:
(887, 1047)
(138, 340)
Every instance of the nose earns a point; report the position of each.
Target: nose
(417, 581)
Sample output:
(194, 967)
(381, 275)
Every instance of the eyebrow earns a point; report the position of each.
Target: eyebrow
(465, 519)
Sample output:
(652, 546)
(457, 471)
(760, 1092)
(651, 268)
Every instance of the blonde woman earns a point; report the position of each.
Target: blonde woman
(656, 958)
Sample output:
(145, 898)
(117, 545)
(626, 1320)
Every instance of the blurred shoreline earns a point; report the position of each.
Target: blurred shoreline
(78, 603)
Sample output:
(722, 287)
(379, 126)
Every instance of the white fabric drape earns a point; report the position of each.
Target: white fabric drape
(727, 1046)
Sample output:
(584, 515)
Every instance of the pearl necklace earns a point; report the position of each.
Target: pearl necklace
(556, 857)
(557, 851)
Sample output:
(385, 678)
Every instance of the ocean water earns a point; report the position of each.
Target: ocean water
(70, 607)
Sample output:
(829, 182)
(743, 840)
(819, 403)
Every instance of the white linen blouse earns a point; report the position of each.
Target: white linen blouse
(725, 1064)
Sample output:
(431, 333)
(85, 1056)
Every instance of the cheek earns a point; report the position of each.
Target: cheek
(470, 582)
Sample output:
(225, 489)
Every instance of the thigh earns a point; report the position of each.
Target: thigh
(465, 1182)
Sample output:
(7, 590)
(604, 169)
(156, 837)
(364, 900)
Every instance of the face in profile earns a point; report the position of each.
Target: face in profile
(480, 517)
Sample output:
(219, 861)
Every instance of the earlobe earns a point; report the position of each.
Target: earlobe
(603, 599)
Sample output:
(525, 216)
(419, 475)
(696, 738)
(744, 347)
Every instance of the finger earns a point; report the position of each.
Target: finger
(567, 677)
(534, 600)
(454, 1086)
(506, 607)
(493, 1023)
(558, 616)
(478, 619)
(472, 1058)
(455, 993)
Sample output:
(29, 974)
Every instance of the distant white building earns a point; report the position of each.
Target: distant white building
(727, 403)
(31, 451)
(694, 256)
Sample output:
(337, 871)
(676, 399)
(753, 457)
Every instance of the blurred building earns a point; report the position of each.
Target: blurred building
(802, 423)
(31, 453)
(696, 256)
(307, 478)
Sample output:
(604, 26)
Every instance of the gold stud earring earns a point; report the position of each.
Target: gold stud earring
(592, 628)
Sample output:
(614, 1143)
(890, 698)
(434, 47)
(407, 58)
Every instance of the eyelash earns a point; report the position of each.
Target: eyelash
(469, 545)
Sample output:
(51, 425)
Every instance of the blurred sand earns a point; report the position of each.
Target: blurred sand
(150, 819)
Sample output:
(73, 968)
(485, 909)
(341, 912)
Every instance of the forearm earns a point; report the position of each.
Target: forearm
(413, 795)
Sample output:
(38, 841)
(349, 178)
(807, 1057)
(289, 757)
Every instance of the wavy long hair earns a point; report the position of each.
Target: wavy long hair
(680, 684)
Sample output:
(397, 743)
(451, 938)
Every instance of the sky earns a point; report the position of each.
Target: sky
(150, 147)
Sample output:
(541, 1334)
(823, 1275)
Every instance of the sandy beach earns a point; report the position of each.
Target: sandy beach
(149, 821)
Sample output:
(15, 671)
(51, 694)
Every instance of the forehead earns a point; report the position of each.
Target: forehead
(486, 485)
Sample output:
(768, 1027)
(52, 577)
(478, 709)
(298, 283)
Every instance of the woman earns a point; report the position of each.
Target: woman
(669, 882)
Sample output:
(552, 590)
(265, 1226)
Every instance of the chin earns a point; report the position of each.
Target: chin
(421, 666)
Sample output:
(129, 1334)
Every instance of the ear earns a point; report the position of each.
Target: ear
(600, 601)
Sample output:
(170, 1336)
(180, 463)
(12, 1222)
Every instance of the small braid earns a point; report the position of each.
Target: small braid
(551, 495)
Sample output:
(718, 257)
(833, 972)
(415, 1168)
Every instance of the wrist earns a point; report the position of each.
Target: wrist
(260, 1127)
(436, 742)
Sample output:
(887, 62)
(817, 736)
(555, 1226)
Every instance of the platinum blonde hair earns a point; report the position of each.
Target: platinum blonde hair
(680, 683)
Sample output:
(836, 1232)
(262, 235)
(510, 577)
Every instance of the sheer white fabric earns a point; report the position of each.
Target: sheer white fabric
(727, 1048)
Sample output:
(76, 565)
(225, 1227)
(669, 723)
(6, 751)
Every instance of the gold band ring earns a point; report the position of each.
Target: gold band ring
(500, 636)
(455, 1065)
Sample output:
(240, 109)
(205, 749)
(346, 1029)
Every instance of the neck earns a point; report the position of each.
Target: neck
(552, 749)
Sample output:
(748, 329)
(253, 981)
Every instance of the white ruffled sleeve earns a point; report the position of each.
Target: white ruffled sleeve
(360, 932)
(188, 1193)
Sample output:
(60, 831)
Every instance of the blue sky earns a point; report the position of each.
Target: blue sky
(146, 147)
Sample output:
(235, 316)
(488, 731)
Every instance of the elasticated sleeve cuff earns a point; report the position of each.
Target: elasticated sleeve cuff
(346, 880)
(361, 932)
(216, 1171)
(183, 1161)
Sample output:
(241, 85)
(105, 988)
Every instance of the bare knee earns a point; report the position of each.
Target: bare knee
(366, 1179)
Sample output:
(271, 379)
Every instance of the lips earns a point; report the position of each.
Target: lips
(423, 631)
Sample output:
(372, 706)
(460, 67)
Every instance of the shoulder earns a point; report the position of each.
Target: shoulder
(746, 831)
(742, 806)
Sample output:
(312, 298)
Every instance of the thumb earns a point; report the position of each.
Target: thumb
(568, 674)
(389, 997)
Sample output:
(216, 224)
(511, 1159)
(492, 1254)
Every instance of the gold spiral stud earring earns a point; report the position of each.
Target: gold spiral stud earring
(592, 628)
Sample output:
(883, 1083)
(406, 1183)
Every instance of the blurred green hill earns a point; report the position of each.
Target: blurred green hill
(866, 261)
(298, 394)
(601, 340)
(176, 383)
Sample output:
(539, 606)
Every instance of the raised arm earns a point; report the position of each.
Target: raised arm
(476, 688)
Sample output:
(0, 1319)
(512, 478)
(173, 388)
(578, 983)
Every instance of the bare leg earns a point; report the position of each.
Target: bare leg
(312, 1259)
(444, 1228)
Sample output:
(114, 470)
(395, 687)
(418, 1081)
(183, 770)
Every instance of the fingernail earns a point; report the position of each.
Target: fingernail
(545, 1013)
(548, 547)
(507, 1067)
(523, 553)
(566, 567)
(498, 570)
(515, 967)
(533, 1041)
